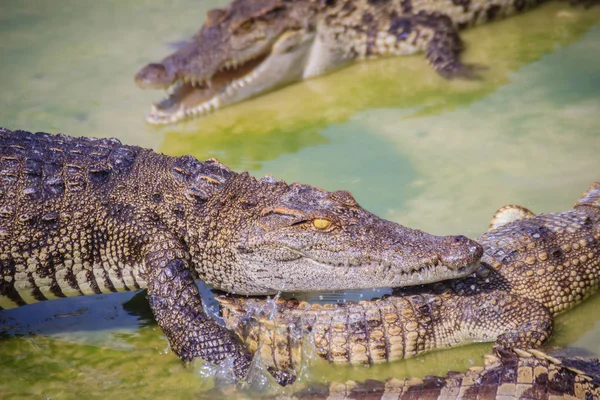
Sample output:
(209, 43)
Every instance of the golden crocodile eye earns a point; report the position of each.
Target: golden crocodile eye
(321, 223)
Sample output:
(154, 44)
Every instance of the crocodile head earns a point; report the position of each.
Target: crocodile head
(248, 48)
(300, 238)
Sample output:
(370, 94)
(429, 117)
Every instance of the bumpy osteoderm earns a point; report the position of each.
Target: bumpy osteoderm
(85, 216)
(532, 269)
(251, 47)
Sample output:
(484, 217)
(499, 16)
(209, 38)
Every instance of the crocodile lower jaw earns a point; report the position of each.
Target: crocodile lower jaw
(188, 98)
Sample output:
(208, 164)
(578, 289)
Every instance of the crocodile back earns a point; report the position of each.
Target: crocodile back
(56, 192)
(43, 169)
(550, 258)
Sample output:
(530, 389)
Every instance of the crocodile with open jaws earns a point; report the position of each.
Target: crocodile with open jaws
(84, 216)
(507, 375)
(253, 46)
(533, 268)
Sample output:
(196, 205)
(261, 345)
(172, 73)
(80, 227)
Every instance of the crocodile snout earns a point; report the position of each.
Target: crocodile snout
(460, 251)
(154, 76)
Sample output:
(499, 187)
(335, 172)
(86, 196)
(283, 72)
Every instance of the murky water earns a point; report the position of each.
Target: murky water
(432, 154)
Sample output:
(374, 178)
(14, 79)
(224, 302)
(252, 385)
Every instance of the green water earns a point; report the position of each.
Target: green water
(432, 154)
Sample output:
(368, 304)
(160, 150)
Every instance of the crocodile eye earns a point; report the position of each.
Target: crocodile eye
(246, 25)
(321, 223)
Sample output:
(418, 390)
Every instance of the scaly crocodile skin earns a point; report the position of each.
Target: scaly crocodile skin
(86, 216)
(532, 269)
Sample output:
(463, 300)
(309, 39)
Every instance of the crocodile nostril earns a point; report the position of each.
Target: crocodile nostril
(461, 250)
(459, 240)
(154, 76)
(476, 250)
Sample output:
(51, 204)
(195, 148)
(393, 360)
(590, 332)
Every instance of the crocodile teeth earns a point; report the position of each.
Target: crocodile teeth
(230, 90)
(233, 64)
(168, 111)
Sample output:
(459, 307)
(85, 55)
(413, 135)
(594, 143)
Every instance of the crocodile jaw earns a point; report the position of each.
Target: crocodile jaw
(284, 63)
(273, 266)
(310, 275)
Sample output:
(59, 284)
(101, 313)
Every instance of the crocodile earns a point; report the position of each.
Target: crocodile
(533, 268)
(251, 47)
(531, 375)
(82, 216)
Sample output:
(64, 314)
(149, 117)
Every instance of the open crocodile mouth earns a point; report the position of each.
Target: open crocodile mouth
(189, 97)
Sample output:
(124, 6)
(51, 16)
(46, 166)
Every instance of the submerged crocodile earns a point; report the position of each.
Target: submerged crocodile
(253, 46)
(532, 269)
(530, 375)
(84, 216)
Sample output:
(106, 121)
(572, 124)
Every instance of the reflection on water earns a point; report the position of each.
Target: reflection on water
(243, 146)
(434, 154)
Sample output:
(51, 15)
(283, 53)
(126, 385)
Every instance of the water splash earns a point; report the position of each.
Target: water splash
(266, 310)
(222, 374)
(166, 350)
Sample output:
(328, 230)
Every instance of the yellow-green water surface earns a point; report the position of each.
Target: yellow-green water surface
(429, 153)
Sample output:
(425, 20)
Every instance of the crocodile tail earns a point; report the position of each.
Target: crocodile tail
(591, 197)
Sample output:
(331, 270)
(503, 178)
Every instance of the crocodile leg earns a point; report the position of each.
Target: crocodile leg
(177, 306)
(444, 47)
(433, 32)
(516, 322)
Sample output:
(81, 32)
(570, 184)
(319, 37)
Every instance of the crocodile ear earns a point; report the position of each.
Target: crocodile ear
(507, 214)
